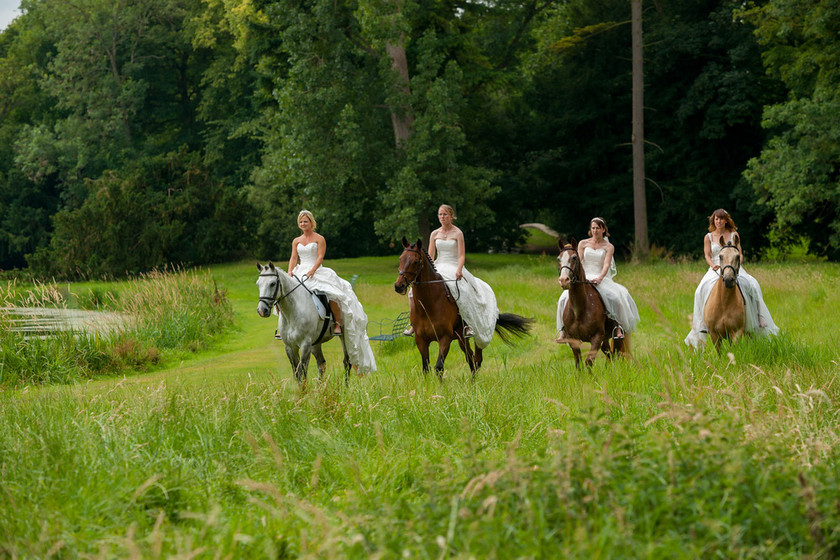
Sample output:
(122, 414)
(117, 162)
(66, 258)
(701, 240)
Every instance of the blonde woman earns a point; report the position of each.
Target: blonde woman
(306, 263)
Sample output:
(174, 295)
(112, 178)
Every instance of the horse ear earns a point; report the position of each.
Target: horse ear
(419, 243)
(560, 243)
(259, 266)
(573, 242)
(271, 265)
(722, 242)
(405, 242)
(735, 239)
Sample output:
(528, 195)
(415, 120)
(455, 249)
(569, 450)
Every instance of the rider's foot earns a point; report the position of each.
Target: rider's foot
(618, 332)
(409, 331)
(277, 335)
(468, 333)
(561, 338)
(337, 329)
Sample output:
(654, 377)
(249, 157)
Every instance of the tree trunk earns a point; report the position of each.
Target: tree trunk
(640, 246)
(401, 117)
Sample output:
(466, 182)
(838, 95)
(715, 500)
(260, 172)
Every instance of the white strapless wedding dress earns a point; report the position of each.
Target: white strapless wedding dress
(353, 320)
(756, 310)
(620, 305)
(475, 298)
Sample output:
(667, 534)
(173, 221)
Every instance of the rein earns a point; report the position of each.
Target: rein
(274, 299)
(572, 272)
(441, 281)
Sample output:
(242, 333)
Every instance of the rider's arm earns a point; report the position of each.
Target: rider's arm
(608, 257)
(294, 258)
(432, 247)
(322, 250)
(707, 251)
(462, 254)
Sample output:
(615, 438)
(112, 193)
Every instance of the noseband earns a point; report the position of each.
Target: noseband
(269, 301)
(417, 274)
(572, 272)
(722, 269)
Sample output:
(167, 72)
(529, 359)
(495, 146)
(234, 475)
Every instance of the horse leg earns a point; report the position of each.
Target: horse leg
(468, 352)
(595, 344)
(320, 360)
(346, 362)
(423, 348)
(443, 350)
(303, 368)
(574, 344)
(293, 354)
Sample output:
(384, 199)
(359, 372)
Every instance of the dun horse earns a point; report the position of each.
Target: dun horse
(304, 329)
(434, 314)
(585, 316)
(725, 312)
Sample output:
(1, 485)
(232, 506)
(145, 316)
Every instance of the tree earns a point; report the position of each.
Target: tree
(797, 174)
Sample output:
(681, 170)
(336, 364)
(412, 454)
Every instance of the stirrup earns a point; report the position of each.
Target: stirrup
(617, 332)
(468, 332)
(277, 335)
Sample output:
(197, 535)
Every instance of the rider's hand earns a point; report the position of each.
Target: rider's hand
(715, 267)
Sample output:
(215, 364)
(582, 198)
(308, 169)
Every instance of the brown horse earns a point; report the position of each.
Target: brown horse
(434, 314)
(725, 312)
(585, 316)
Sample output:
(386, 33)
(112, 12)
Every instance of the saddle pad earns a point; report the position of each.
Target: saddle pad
(321, 304)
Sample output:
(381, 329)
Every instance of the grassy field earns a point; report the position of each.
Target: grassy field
(218, 453)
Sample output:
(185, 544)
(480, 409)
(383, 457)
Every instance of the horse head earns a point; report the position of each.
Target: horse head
(269, 285)
(411, 264)
(568, 263)
(730, 261)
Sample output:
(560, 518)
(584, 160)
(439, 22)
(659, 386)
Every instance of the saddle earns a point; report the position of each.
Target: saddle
(322, 305)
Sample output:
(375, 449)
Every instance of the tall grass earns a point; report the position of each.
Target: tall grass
(162, 312)
(669, 454)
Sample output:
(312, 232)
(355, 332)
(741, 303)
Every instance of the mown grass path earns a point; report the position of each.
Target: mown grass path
(670, 454)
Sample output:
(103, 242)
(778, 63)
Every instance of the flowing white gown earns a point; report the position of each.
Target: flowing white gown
(756, 309)
(475, 298)
(620, 305)
(353, 320)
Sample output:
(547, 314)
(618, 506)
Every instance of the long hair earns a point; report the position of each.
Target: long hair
(721, 213)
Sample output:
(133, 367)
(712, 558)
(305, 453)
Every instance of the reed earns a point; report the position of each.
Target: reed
(159, 315)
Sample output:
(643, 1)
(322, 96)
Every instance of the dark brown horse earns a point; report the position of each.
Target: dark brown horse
(434, 314)
(585, 316)
(725, 313)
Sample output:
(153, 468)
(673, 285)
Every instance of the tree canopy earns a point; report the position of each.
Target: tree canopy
(136, 133)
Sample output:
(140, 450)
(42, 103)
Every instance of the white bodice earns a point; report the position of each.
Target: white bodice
(307, 255)
(447, 252)
(593, 262)
(715, 249)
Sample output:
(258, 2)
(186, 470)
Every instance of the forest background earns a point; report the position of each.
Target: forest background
(137, 133)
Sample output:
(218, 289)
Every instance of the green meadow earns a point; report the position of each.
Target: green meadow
(185, 436)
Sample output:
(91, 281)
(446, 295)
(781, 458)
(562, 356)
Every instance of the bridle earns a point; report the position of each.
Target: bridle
(414, 280)
(722, 269)
(572, 272)
(269, 301)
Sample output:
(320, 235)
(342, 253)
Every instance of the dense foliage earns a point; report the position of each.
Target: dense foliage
(141, 132)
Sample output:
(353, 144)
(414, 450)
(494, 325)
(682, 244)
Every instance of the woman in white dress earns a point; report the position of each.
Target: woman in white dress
(474, 297)
(308, 250)
(759, 321)
(596, 254)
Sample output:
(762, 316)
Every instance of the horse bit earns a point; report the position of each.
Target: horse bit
(721, 269)
(441, 281)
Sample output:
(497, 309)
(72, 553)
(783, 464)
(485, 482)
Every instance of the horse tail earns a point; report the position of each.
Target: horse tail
(512, 324)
